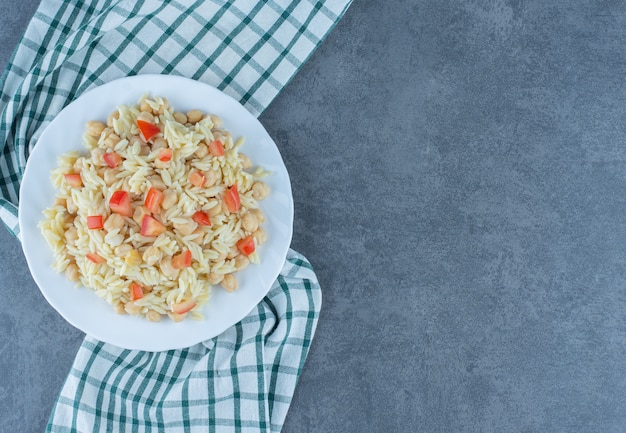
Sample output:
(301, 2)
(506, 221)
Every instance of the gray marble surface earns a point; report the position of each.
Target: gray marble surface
(459, 176)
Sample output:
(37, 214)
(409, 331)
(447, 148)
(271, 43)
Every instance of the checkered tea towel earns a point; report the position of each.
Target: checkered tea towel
(239, 381)
(243, 380)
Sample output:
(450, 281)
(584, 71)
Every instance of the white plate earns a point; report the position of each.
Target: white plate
(79, 305)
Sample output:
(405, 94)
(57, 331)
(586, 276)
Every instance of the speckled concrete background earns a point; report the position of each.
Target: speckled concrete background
(459, 175)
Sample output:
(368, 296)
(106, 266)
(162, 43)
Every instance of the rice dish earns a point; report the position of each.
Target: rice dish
(160, 210)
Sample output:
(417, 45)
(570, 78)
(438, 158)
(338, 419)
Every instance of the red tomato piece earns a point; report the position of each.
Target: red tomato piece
(201, 218)
(94, 222)
(196, 178)
(246, 245)
(136, 291)
(154, 197)
(112, 159)
(73, 180)
(231, 199)
(148, 130)
(96, 258)
(182, 260)
(216, 148)
(151, 227)
(183, 307)
(165, 155)
(120, 203)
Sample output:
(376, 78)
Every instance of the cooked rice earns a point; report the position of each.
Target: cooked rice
(213, 248)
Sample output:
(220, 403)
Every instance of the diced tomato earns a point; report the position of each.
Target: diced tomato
(183, 307)
(196, 178)
(182, 260)
(120, 203)
(201, 218)
(153, 200)
(148, 130)
(73, 180)
(231, 199)
(94, 222)
(151, 227)
(96, 258)
(165, 155)
(112, 159)
(246, 245)
(136, 291)
(216, 148)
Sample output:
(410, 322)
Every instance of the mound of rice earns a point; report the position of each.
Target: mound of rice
(115, 258)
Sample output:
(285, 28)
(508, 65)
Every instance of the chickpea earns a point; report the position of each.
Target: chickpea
(144, 106)
(176, 317)
(241, 262)
(180, 117)
(246, 163)
(136, 140)
(111, 140)
(157, 182)
(214, 278)
(221, 256)
(229, 283)
(194, 116)
(113, 116)
(139, 213)
(95, 128)
(186, 228)
(96, 155)
(200, 238)
(260, 216)
(133, 258)
(123, 250)
(215, 210)
(146, 117)
(167, 268)
(202, 150)
(68, 218)
(71, 235)
(170, 197)
(71, 272)
(159, 143)
(114, 221)
(249, 222)
(153, 316)
(260, 190)
(217, 120)
(233, 252)
(212, 177)
(109, 176)
(260, 236)
(161, 164)
(119, 308)
(132, 309)
(151, 255)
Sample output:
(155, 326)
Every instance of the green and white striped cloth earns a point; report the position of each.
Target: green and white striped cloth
(239, 381)
(244, 379)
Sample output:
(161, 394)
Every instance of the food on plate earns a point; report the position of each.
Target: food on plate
(162, 207)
